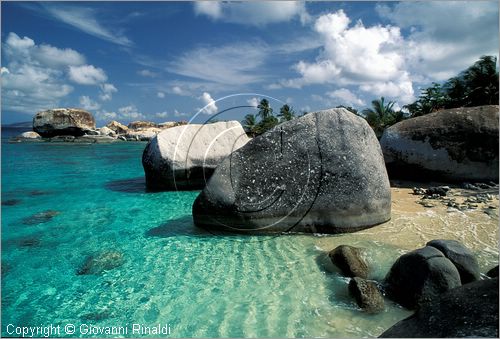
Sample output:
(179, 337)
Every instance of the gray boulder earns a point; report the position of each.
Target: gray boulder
(350, 261)
(454, 145)
(323, 172)
(184, 157)
(367, 295)
(63, 121)
(29, 135)
(461, 257)
(469, 311)
(420, 276)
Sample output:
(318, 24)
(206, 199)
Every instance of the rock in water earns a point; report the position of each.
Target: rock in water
(350, 261)
(420, 276)
(367, 295)
(323, 172)
(461, 257)
(184, 157)
(101, 262)
(29, 135)
(63, 121)
(455, 144)
(469, 311)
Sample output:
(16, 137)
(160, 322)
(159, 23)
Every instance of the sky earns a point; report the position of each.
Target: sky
(170, 61)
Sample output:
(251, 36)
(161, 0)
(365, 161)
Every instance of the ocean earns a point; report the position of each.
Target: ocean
(84, 244)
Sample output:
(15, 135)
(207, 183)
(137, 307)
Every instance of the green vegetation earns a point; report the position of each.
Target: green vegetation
(476, 86)
(382, 115)
(267, 119)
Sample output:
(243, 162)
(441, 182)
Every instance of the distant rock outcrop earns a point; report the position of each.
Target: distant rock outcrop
(455, 145)
(323, 172)
(469, 311)
(117, 127)
(142, 125)
(63, 121)
(184, 157)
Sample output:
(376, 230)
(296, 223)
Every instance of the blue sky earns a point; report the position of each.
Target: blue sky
(164, 61)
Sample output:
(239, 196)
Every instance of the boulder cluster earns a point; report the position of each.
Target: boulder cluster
(442, 282)
(78, 126)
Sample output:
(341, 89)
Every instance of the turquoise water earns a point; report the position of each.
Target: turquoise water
(165, 271)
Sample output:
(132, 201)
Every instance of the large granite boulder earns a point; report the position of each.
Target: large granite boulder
(463, 259)
(143, 134)
(323, 172)
(117, 127)
(469, 311)
(453, 145)
(420, 276)
(63, 121)
(184, 157)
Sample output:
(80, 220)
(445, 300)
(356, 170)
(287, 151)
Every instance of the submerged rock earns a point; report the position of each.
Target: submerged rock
(367, 295)
(184, 157)
(63, 121)
(460, 256)
(350, 261)
(40, 218)
(101, 262)
(11, 202)
(323, 172)
(468, 311)
(420, 276)
(454, 144)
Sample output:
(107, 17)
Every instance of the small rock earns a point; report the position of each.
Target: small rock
(439, 191)
(418, 191)
(482, 185)
(349, 260)
(470, 186)
(101, 262)
(367, 295)
(30, 135)
(460, 256)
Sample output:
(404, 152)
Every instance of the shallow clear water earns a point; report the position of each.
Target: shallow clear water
(199, 284)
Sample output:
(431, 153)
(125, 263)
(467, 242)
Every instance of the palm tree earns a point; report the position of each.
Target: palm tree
(379, 115)
(265, 110)
(481, 80)
(250, 124)
(286, 113)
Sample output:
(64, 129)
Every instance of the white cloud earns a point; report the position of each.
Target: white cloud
(107, 91)
(163, 114)
(231, 65)
(105, 115)
(178, 114)
(258, 13)
(179, 91)
(346, 97)
(30, 80)
(147, 73)
(85, 19)
(130, 112)
(253, 102)
(160, 95)
(356, 55)
(445, 36)
(210, 107)
(89, 104)
(87, 75)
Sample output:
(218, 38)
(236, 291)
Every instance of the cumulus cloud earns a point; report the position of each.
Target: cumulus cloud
(31, 79)
(87, 75)
(163, 114)
(444, 38)
(103, 115)
(258, 13)
(179, 91)
(253, 102)
(210, 107)
(345, 97)
(130, 112)
(371, 58)
(107, 91)
(160, 95)
(89, 104)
